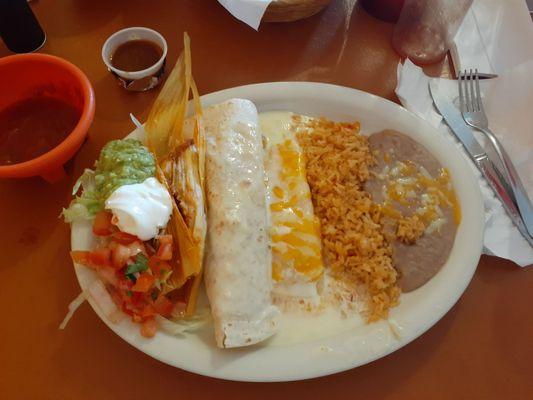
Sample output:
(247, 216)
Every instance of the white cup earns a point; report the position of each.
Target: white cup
(145, 79)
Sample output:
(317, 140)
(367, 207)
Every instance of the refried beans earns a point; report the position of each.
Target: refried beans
(419, 207)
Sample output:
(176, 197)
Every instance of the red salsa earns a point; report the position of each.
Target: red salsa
(31, 127)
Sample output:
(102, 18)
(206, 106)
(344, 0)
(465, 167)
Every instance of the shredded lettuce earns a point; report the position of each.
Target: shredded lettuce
(87, 204)
(72, 307)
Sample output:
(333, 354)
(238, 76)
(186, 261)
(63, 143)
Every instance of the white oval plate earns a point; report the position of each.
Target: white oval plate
(333, 350)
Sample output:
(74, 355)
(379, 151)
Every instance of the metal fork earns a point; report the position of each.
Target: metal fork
(474, 115)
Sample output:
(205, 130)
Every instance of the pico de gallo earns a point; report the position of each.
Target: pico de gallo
(134, 272)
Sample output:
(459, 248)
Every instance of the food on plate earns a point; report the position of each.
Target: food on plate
(388, 212)
(147, 210)
(131, 257)
(418, 203)
(238, 260)
(287, 214)
(297, 265)
(355, 249)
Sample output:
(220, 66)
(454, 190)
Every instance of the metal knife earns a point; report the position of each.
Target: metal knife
(453, 118)
(483, 75)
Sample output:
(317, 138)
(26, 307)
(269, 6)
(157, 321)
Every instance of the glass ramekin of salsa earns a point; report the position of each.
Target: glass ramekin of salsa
(136, 57)
(46, 108)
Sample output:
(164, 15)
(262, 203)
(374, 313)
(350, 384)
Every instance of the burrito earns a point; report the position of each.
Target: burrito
(238, 259)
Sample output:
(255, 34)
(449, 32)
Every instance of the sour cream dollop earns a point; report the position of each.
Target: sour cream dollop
(141, 209)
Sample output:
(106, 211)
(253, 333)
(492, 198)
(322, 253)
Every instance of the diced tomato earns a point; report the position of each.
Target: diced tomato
(120, 255)
(144, 283)
(158, 267)
(148, 311)
(92, 259)
(164, 239)
(164, 252)
(149, 328)
(125, 238)
(80, 257)
(136, 298)
(163, 306)
(127, 308)
(108, 275)
(100, 257)
(153, 264)
(133, 311)
(132, 301)
(124, 284)
(102, 224)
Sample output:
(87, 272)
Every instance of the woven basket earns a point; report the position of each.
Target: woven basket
(292, 10)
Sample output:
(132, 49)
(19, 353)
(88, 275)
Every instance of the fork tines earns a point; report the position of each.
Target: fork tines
(470, 100)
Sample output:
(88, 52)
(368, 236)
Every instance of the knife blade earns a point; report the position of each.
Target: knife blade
(483, 75)
(492, 174)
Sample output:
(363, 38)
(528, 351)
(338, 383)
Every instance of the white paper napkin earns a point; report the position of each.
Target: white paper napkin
(495, 35)
(507, 100)
(248, 11)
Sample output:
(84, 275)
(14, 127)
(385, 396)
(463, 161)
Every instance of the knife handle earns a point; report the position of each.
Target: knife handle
(499, 185)
(519, 192)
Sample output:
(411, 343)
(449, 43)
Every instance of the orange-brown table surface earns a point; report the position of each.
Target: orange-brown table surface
(483, 348)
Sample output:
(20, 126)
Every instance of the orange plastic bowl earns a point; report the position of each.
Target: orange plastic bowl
(26, 75)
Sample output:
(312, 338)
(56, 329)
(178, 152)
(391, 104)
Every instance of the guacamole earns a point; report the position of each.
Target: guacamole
(121, 162)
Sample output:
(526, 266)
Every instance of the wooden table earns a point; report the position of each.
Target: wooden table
(483, 348)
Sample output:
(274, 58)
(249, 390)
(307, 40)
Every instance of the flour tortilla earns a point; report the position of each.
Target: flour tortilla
(238, 258)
